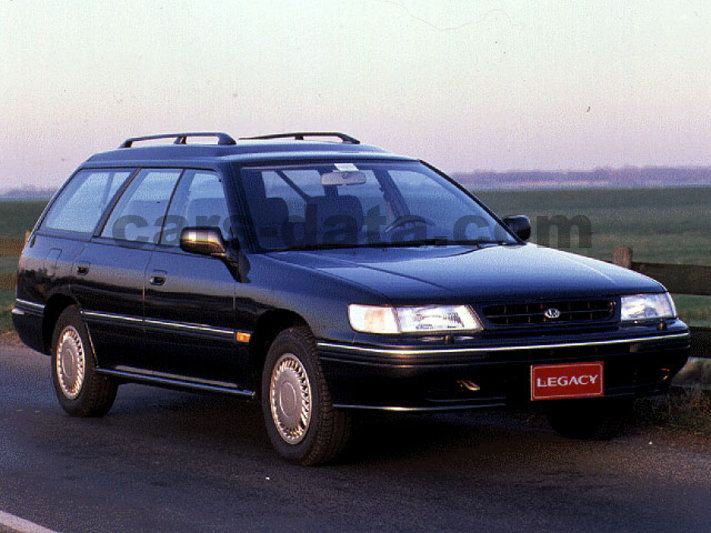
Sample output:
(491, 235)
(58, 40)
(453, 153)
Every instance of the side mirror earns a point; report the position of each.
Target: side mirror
(203, 241)
(520, 225)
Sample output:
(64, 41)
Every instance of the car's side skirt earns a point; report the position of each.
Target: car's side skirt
(174, 381)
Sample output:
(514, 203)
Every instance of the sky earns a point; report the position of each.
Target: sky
(466, 85)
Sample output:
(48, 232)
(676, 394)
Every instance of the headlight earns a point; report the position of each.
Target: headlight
(647, 307)
(425, 319)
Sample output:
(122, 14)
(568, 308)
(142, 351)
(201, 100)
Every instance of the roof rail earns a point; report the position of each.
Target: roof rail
(299, 136)
(181, 138)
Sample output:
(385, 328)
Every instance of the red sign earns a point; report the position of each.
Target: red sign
(556, 382)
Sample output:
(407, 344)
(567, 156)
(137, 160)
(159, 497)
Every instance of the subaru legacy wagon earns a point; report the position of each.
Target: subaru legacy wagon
(321, 277)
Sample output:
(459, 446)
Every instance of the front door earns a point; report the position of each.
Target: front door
(190, 299)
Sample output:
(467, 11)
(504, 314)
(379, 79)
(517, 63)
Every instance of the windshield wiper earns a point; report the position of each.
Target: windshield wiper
(324, 246)
(439, 242)
(398, 244)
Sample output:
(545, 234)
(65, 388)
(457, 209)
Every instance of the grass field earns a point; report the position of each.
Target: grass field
(15, 218)
(661, 225)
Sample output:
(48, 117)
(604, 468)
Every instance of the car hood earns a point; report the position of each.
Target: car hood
(461, 273)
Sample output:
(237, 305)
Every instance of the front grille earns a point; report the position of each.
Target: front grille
(586, 311)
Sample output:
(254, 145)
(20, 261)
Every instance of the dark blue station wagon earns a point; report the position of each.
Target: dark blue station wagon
(321, 278)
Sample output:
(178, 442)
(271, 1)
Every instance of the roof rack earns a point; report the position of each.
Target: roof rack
(181, 138)
(299, 136)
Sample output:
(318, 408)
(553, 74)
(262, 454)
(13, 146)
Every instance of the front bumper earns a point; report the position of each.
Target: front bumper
(430, 379)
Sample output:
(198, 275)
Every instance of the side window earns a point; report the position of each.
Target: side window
(82, 202)
(199, 201)
(138, 216)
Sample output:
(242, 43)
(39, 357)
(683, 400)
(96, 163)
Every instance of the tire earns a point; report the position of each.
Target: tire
(301, 422)
(81, 391)
(590, 419)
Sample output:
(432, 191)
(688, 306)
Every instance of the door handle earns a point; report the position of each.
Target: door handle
(158, 277)
(83, 268)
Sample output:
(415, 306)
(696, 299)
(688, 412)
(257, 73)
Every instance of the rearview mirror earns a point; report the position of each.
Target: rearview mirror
(203, 241)
(520, 225)
(343, 178)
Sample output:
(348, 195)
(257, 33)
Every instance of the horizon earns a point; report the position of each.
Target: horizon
(618, 175)
(490, 85)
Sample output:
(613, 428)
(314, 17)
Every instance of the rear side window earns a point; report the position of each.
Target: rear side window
(81, 203)
(198, 201)
(138, 215)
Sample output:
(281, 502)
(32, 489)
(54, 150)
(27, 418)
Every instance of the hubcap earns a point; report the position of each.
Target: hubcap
(290, 398)
(70, 362)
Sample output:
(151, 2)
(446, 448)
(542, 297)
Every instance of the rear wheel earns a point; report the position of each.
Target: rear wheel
(79, 389)
(589, 419)
(301, 421)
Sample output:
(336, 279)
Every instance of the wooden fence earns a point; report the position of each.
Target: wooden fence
(678, 279)
(9, 248)
(7, 281)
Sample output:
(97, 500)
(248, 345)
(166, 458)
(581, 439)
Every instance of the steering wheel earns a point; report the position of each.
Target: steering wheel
(407, 220)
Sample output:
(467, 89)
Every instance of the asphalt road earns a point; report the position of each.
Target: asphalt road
(169, 461)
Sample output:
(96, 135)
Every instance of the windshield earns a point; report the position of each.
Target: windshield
(373, 204)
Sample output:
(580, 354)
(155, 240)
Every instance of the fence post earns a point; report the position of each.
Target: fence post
(622, 256)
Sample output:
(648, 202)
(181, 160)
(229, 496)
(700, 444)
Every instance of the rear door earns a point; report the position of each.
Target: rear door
(47, 266)
(190, 299)
(110, 271)
(68, 224)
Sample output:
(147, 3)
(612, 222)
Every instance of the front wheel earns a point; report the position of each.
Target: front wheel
(301, 421)
(600, 419)
(81, 391)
